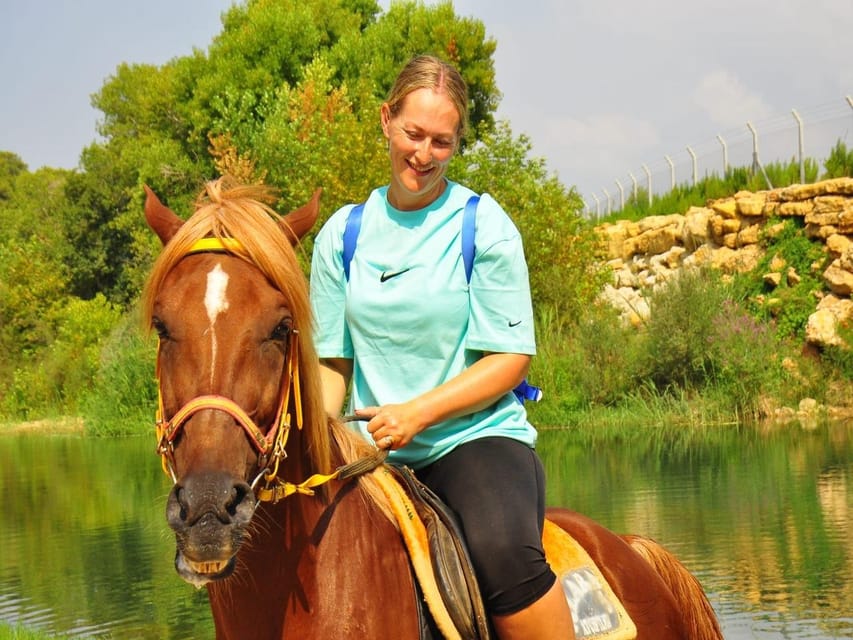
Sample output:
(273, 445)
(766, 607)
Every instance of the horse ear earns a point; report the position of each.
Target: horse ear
(162, 220)
(298, 222)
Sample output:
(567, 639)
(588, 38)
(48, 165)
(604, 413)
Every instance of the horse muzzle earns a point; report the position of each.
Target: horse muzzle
(209, 513)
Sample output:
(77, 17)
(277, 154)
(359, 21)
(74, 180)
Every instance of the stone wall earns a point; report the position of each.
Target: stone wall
(725, 235)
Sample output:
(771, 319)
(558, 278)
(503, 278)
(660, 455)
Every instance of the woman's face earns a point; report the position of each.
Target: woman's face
(421, 140)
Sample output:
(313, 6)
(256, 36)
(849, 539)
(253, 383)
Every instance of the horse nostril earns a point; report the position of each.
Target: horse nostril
(176, 506)
(180, 497)
(238, 494)
(242, 504)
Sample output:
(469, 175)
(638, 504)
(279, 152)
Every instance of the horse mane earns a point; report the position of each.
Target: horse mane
(228, 209)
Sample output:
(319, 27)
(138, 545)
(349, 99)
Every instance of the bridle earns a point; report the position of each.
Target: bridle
(271, 447)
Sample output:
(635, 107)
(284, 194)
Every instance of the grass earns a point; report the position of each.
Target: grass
(62, 425)
(19, 632)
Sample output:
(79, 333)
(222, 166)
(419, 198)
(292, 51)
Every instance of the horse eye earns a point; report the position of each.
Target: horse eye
(282, 330)
(160, 327)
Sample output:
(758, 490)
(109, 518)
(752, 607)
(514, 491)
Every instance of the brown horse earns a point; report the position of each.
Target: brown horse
(241, 427)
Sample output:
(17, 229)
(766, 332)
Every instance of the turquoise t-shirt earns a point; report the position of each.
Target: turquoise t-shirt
(408, 318)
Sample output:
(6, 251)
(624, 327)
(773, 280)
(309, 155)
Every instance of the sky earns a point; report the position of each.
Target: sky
(609, 92)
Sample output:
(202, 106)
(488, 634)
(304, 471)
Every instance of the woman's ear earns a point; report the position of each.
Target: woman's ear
(385, 119)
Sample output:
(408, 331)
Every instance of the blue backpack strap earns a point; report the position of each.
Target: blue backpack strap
(469, 227)
(524, 391)
(351, 236)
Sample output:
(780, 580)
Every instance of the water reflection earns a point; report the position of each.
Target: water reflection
(86, 548)
(762, 518)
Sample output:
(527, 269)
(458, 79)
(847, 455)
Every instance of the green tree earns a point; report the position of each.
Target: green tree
(33, 277)
(286, 82)
(289, 93)
(559, 245)
(11, 166)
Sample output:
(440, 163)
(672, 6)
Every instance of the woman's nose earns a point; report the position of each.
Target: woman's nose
(423, 152)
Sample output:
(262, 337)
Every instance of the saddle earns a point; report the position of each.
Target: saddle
(451, 566)
(446, 579)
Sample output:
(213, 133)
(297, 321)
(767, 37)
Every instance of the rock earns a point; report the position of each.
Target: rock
(838, 279)
(725, 207)
(821, 329)
(837, 244)
(750, 204)
(773, 279)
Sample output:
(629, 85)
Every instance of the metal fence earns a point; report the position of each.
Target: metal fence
(799, 135)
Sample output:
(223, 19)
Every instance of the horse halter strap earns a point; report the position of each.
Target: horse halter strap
(270, 447)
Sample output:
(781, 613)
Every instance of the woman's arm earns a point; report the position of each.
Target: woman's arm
(335, 375)
(476, 388)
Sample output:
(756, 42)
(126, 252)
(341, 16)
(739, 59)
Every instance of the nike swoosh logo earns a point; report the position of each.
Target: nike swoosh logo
(387, 275)
(515, 324)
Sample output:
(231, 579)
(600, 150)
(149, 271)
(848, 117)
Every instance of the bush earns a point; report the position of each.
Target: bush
(742, 357)
(581, 363)
(123, 398)
(682, 314)
(54, 378)
(839, 163)
(788, 306)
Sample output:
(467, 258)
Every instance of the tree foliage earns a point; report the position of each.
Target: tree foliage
(287, 93)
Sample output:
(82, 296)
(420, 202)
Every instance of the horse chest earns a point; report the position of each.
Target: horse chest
(342, 575)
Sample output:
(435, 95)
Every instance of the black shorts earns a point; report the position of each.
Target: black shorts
(496, 487)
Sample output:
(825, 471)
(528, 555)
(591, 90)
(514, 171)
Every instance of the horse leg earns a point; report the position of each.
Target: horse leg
(699, 616)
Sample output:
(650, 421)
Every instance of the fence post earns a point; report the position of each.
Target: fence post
(695, 168)
(634, 182)
(849, 101)
(621, 195)
(609, 204)
(671, 172)
(755, 160)
(597, 206)
(648, 183)
(800, 145)
(725, 155)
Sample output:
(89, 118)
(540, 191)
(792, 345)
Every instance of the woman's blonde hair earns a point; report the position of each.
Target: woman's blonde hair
(429, 72)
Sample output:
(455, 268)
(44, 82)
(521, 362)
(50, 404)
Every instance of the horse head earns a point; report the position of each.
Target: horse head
(235, 365)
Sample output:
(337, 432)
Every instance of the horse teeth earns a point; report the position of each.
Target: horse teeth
(214, 566)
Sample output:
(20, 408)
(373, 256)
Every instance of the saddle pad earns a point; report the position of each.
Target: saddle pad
(596, 611)
(415, 536)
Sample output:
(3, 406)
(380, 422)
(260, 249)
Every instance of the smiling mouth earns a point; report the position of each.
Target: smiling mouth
(421, 170)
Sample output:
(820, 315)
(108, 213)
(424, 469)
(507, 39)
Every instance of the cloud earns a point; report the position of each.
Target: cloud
(579, 149)
(727, 101)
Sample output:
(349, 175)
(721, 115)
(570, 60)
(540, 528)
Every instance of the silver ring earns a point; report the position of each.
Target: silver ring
(389, 441)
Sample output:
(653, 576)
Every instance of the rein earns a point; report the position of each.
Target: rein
(270, 447)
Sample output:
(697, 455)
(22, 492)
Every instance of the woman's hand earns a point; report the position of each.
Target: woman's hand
(393, 425)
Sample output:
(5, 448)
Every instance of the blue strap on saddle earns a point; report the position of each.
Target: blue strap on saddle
(523, 391)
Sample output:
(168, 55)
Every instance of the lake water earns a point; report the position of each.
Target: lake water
(764, 519)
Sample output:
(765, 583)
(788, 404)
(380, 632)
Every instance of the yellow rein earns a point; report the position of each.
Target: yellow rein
(270, 447)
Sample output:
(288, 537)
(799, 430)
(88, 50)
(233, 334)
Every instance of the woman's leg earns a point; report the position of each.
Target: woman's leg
(546, 619)
(496, 488)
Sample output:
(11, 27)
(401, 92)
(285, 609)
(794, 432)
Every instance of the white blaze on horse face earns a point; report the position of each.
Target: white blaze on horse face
(215, 302)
